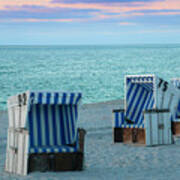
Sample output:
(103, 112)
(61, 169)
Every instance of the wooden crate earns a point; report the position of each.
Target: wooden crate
(141, 136)
(118, 134)
(59, 161)
(129, 135)
(56, 162)
(176, 128)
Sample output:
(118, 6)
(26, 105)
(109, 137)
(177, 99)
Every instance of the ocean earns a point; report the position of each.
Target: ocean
(96, 71)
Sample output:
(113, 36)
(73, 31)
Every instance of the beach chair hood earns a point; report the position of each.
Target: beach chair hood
(144, 92)
(51, 117)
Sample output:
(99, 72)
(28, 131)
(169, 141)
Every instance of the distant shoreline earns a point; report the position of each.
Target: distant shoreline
(115, 102)
(70, 45)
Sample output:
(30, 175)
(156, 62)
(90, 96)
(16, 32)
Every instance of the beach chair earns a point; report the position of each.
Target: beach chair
(43, 133)
(176, 120)
(150, 106)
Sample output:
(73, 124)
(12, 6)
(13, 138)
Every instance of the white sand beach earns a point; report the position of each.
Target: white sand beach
(103, 158)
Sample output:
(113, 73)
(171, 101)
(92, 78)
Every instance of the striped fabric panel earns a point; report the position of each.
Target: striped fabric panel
(147, 86)
(178, 111)
(146, 81)
(176, 83)
(52, 125)
(140, 79)
(119, 121)
(53, 149)
(138, 99)
(55, 98)
(140, 126)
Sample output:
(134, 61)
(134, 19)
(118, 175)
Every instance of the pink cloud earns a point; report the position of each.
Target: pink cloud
(39, 20)
(127, 24)
(113, 7)
(143, 6)
(121, 9)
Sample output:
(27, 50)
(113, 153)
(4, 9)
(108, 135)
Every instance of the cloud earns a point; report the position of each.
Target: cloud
(101, 1)
(158, 31)
(97, 10)
(127, 24)
(45, 13)
(37, 20)
(112, 6)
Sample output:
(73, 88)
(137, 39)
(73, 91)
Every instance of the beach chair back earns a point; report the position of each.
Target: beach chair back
(145, 92)
(40, 122)
(52, 118)
(139, 96)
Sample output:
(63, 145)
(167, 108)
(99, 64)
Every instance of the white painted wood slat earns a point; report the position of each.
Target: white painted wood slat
(158, 127)
(17, 152)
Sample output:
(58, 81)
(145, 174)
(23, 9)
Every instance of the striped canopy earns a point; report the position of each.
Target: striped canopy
(139, 96)
(145, 81)
(145, 92)
(54, 98)
(52, 119)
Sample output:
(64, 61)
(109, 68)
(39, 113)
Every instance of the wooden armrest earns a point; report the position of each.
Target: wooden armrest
(22, 130)
(15, 149)
(156, 110)
(81, 134)
(117, 110)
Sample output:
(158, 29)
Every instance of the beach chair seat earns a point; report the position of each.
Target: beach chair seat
(54, 149)
(146, 96)
(120, 120)
(44, 124)
(127, 132)
(70, 148)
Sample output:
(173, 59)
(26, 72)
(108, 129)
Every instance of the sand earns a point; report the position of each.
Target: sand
(103, 158)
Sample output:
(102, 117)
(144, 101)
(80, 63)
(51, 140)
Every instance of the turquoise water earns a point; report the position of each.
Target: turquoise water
(96, 71)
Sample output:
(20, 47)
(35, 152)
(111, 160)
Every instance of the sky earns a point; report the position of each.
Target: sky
(69, 22)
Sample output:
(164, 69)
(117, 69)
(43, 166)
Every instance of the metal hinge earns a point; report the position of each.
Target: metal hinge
(161, 126)
(15, 149)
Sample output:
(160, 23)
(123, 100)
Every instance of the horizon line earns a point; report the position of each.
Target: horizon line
(115, 44)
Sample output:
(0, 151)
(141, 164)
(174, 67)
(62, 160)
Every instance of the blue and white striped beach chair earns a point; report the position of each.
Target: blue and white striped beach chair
(42, 128)
(176, 83)
(143, 93)
(176, 120)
